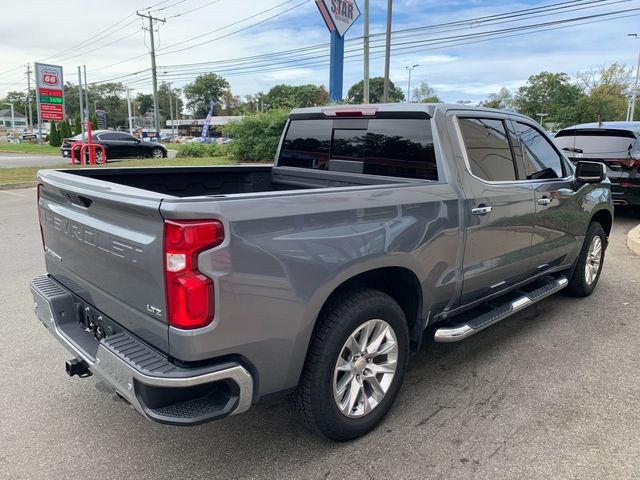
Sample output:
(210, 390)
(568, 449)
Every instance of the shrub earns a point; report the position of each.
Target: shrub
(201, 150)
(54, 136)
(256, 137)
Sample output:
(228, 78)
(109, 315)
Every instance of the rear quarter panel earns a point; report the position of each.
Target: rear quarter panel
(284, 254)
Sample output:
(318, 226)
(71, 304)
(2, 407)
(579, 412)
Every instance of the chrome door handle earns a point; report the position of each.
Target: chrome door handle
(544, 201)
(480, 210)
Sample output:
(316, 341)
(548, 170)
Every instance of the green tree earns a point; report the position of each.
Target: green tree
(65, 129)
(94, 122)
(77, 127)
(551, 93)
(424, 93)
(376, 89)
(502, 100)
(54, 136)
(256, 137)
(145, 102)
(296, 96)
(198, 93)
(605, 88)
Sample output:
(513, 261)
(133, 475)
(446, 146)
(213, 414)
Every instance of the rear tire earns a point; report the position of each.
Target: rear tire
(355, 364)
(589, 264)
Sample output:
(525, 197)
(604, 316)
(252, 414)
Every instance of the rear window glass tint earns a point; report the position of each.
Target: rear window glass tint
(488, 149)
(601, 143)
(389, 147)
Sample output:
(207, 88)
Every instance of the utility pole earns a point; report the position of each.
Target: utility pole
(635, 85)
(365, 92)
(171, 114)
(86, 95)
(409, 85)
(387, 53)
(154, 76)
(129, 112)
(84, 137)
(29, 96)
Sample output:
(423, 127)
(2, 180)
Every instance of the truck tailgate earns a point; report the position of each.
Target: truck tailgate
(104, 242)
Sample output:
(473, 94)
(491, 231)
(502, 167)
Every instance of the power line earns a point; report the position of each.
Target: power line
(179, 43)
(235, 23)
(524, 13)
(410, 47)
(194, 9)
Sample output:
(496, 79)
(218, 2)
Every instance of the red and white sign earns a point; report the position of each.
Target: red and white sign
(50, 88)
(339, 15)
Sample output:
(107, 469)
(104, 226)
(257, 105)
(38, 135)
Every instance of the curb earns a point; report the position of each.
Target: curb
(633, 240)
(15, 186)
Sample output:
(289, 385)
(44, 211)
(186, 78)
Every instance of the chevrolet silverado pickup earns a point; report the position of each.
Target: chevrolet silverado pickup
(196, 292)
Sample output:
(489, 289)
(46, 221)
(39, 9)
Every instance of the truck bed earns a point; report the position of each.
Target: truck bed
(227, 180)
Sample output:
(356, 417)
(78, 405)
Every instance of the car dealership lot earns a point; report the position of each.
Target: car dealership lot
(552, 392)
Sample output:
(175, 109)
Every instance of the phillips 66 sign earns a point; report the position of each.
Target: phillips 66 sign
(50, 92)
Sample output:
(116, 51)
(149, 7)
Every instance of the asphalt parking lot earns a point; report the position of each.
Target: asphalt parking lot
(552, 392)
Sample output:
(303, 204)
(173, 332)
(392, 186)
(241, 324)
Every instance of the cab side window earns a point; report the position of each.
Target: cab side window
(541, 160)
(488, 149)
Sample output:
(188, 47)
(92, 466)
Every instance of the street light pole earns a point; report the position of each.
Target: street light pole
(635, 85)
(173, 134)
(387, 53)
(542, 115)
(409, 85)
(365, 89)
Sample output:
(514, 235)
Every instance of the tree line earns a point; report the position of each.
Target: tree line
(600, 94)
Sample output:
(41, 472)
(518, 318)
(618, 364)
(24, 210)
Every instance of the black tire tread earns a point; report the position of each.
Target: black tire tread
(577, 286)
(333, 314)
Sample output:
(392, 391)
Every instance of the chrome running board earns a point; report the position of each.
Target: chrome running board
(460, 331)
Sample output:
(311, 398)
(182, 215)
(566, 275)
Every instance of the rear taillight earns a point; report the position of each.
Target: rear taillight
(190, 298)
(630, 163)
(39, 219)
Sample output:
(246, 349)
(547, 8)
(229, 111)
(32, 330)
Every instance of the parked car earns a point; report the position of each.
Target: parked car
(197, 292)
(117, 145)
(614, 144)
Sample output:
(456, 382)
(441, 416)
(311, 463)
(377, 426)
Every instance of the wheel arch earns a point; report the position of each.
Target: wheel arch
(604, 218)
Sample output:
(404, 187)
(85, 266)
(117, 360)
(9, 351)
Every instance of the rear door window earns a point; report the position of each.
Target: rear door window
(541, 160)
(488, 149)
(391, 147)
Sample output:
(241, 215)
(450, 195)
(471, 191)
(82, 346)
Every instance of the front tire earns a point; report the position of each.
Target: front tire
(355, 364)
(589, 264)
(157, 153)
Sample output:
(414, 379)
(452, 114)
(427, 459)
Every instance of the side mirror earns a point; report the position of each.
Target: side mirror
(591, 172)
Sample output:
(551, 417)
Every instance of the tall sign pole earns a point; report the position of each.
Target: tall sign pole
(339, 15)
(49, 94)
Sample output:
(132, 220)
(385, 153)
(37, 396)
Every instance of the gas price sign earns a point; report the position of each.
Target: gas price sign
(50, 87)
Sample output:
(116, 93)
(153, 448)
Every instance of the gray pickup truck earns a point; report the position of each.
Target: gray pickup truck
(197, 292)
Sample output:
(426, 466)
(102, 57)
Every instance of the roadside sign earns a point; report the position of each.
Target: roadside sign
(339, 15)
(101, 116)
(50, 88)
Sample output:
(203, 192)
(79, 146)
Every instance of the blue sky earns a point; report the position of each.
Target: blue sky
(457, 72)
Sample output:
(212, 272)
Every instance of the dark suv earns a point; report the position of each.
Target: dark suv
(117, 145)
(616, 145)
